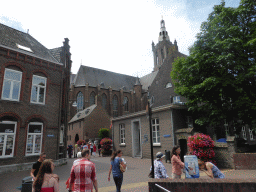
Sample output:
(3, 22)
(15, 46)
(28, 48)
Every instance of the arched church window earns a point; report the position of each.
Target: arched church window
(92, 98)
(80, 101)
(115, 106)
(126, 104)
(104, 101)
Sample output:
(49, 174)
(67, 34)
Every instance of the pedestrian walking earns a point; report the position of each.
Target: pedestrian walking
(45, 180)
(76, 150)
(83, 174)
(91, 147)
(116, 160)
(70, 149)
(99, 149)
(36, 165)
(210, 169)
(159, 169)
(94, 150)
(177, 164)
(85, 146)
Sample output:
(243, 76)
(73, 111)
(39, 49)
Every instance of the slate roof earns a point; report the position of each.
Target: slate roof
(82, 114)
(158, 87)
(94, 77)
(147, 80)
(56, 53)
(9, 38)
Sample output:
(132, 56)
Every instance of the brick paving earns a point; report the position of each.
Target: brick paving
(135, 178)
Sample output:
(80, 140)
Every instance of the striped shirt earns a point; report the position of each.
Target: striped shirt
(82, 175)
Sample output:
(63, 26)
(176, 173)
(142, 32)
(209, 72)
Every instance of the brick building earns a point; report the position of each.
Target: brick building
(86, 124)
(34, 83)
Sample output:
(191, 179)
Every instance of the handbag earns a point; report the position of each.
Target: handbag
(122, 169)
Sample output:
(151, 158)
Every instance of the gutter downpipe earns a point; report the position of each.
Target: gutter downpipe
(172, 127)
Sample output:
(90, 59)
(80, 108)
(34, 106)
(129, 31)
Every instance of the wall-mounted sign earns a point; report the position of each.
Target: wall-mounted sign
(167, 135)
(50, 135)
(145, 138)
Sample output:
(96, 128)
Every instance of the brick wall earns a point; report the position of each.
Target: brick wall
(245, 161)
(202, 185)
(90, 125)
(23, 111)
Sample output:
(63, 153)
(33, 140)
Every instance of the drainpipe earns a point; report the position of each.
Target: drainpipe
(172, 128)
(59, 119)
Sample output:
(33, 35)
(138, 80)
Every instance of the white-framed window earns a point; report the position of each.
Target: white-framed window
(80, 101)
(7, 138)
(11, 85)
(189, 122)
(122, 133)
(34, 138)
(244, 133)
(176, 99)
(156, 130)
(168, 85)
(62, 135)
(38, 89)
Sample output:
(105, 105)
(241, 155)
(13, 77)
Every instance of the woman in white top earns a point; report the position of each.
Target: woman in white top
(45, 180)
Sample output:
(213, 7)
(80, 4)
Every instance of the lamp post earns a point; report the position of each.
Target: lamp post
(150, 103)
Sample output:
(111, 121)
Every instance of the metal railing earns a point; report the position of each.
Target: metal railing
(162, 188)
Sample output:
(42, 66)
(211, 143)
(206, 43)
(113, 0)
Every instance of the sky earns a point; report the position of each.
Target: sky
(113, 35)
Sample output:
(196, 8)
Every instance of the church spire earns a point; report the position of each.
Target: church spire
(163, 33)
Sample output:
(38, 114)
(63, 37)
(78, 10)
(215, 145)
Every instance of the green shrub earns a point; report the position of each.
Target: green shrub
(104, 133)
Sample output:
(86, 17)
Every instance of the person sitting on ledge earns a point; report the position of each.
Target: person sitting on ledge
(210, 169)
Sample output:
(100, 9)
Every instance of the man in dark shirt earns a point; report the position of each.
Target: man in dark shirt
(37, 165)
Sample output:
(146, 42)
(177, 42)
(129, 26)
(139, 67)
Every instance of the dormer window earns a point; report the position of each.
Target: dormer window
(24, 48)
(87, 111)
(168, 85)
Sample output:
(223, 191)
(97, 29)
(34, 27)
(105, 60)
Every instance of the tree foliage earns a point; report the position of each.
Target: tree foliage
(104, 133)
(218, 77)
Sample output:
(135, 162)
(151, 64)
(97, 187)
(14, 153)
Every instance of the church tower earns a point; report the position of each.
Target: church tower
(163, 48)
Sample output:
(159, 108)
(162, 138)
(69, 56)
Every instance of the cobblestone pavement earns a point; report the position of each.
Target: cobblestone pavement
(135, 178)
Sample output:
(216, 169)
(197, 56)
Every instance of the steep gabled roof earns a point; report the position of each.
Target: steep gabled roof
(56, 53)
(107, 79)
(147, 80)
(11, 38)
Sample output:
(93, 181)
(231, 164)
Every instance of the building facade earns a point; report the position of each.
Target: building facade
(34, 83)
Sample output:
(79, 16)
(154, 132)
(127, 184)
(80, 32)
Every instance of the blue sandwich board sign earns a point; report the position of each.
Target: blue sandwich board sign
(191, 166)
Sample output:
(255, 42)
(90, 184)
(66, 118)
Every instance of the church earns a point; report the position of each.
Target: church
(125, 98)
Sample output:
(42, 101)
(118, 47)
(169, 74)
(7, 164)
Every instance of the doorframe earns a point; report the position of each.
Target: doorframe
(132, 131)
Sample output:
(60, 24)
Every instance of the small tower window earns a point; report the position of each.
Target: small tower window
(168, 85)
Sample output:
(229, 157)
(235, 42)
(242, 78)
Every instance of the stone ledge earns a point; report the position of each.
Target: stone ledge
(27, 166)
(203, 184)
(220, 144)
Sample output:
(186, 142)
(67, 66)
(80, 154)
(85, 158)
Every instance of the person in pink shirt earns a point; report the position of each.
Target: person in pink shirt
(177, 164)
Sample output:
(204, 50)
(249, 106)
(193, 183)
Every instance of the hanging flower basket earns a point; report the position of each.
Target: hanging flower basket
(202, 146)
(106, 146)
